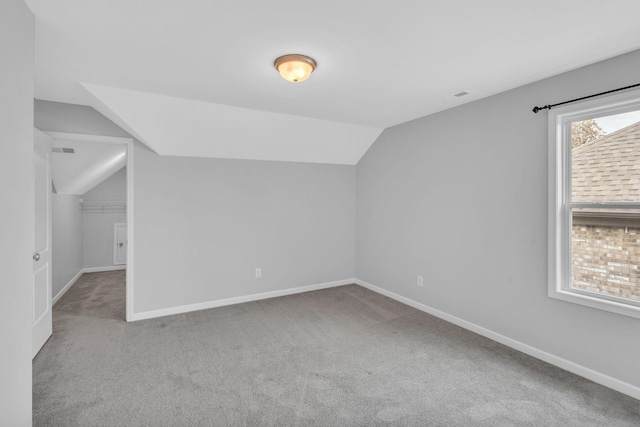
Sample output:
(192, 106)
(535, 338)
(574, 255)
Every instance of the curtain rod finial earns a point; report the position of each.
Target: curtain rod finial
(538, 109)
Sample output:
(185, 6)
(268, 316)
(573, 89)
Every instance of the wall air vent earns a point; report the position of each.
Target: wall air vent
(63, 150)
(458, 95)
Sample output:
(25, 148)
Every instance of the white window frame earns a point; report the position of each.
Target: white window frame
(560, 220)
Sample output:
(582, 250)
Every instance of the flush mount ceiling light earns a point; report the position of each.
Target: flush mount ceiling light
(295, 68)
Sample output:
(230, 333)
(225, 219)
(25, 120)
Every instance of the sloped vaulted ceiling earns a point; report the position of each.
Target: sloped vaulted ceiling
(184, 127)
(86, 164)
(196, 77)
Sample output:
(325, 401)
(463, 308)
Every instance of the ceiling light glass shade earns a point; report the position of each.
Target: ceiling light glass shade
(295, 68)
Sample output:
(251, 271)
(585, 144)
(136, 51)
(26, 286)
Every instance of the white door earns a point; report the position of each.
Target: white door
(42, 319)
(119, 243)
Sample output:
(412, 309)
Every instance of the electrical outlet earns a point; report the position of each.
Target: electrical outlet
(258, 273)
(420, 281)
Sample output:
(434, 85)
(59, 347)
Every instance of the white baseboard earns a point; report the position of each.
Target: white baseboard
(560, 362)
(236, 300)
(66, 287)
(101, 269)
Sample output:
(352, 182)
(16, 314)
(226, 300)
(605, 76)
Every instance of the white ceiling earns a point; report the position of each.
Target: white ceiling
(380, 63)
(92, 163)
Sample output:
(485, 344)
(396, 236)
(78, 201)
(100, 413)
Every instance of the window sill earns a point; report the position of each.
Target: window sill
(596, 302)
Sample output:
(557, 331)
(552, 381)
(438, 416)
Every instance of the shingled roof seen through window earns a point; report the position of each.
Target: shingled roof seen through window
(608, 169)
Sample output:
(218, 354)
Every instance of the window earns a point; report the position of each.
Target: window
(594, 203)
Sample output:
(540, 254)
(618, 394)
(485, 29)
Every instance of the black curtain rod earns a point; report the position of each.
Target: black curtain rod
(548, 107)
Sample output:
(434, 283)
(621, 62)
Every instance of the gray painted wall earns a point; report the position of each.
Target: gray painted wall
(202, 226)
(97, 228)
(61, 117)
(17, 30)
(67, 239)
(113, 188)
(460, 197)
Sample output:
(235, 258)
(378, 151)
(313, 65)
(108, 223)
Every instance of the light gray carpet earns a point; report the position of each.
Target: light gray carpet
(337, 357)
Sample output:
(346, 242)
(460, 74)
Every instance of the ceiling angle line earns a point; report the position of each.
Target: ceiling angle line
(548, 107)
